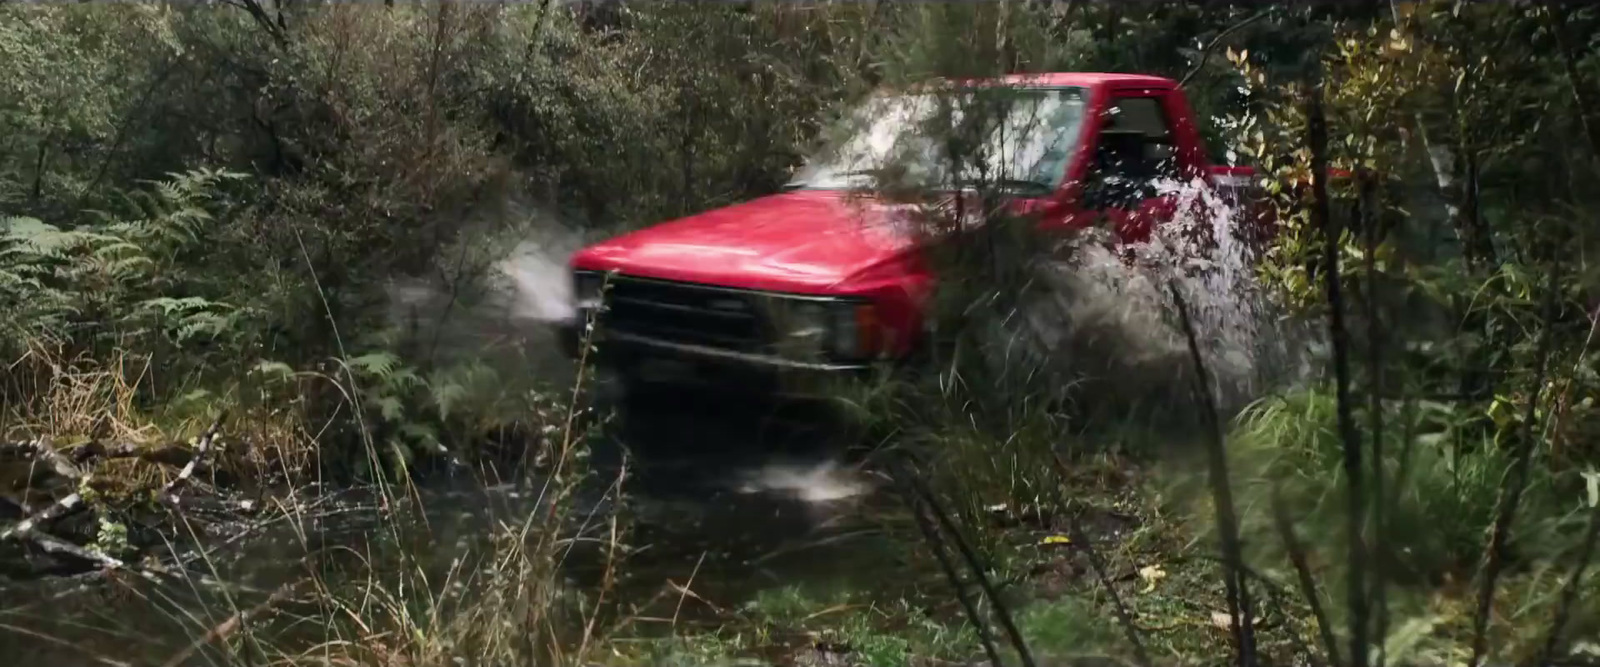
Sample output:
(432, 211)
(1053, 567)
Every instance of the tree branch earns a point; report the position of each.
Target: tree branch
(1205, 53)
(1322, 220)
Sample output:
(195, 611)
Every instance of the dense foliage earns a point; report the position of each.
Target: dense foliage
(221, 205)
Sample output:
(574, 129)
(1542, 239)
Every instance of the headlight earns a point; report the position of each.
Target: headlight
(855, 330)
(808, 320)
(801, 327)
(833, 328)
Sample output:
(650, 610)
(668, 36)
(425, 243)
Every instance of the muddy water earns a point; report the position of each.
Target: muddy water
(737, 496)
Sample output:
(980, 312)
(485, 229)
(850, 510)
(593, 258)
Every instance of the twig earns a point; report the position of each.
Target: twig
(1569, 590)
(978, 571)
(686, 586)
(231, 624)
(1240, 609)
(1205, 53)
(931, 534)
(1569, 64)
(1302, 571)
(1517, 481)
(1317, 131)
(1366, 217)
(272, 28)
(200, 450)
(1080, 541)
(67, 506)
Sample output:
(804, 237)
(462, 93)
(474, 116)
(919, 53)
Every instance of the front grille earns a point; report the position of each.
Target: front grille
(686, 313)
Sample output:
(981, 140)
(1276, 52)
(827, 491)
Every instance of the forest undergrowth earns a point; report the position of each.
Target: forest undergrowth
(260, 310)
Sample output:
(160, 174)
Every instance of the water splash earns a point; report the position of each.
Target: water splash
(539, 284)
(821, 482)
(1104, 314)
(1248, 340)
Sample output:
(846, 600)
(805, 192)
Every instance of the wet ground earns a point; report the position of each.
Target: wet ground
(738, 495)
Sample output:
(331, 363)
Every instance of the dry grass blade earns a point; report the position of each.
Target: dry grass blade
(232, 624)
(28, 632)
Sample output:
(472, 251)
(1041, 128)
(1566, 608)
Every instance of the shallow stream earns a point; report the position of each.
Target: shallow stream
(730, 499)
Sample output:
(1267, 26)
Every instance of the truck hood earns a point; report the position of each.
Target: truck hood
(807, 240)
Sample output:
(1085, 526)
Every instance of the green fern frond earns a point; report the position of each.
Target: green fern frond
(379, 364)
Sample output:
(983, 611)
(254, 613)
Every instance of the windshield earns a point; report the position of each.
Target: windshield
(1021, 138)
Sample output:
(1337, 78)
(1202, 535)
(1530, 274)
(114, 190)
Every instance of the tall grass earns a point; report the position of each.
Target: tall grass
(388, 597)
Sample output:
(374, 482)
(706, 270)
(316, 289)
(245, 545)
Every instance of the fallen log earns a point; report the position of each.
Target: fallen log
(65, 507)
(40, 449)
(79, 455)
(35, 527)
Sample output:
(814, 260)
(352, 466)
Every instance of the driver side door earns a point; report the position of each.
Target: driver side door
(1135, 148)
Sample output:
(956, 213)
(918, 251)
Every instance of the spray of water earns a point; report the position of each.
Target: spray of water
(1248, 339)
(1103, 314)
(539, 286)
(492, 296)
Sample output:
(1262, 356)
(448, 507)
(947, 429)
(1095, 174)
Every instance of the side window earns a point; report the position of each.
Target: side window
(1134, 150)
(1145, 116)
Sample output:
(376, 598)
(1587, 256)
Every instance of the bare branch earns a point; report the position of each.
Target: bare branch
(201, 448)
(931, 534)
(1205, 53)
(1240, 609)
(1516, 481)
(976, 566)
(1302, 571)
(1322, 219)
(1080, 541)
(67, 506)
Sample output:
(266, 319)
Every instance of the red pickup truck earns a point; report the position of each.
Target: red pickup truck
(812, 280)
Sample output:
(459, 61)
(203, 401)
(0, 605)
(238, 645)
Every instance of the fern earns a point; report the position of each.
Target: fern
(378, 364)
(117, 276)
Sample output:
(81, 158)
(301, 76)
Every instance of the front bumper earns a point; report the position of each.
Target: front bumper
(655, 361)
